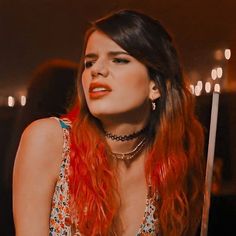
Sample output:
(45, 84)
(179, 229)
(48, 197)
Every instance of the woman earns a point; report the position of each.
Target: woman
(132, 164)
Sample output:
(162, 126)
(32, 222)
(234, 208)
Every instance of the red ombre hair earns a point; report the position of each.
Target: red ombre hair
(175, 152)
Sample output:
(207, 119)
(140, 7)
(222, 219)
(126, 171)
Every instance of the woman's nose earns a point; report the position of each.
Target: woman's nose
(99, 68)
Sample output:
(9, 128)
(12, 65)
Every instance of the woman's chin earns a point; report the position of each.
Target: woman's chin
(98, 112)
(102, 114)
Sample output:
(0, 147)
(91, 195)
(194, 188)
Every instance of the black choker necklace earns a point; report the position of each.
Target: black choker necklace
(125, 137)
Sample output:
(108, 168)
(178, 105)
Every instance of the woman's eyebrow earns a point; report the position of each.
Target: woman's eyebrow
(90, 55)
(116, 53)
(110, 54)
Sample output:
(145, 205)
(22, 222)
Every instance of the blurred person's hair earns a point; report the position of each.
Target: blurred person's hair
(52, 89)
(51, 92)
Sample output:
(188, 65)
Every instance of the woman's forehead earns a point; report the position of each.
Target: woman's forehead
(98, 41)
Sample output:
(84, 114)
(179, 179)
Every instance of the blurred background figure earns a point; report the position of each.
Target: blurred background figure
(51, 92)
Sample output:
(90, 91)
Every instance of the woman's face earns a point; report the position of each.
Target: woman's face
(114, 82)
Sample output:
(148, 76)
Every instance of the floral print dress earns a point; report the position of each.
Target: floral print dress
(60, 223)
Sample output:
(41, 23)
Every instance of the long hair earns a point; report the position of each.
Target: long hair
(175, 153)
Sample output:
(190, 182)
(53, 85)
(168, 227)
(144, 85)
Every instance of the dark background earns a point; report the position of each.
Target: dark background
(32, 31)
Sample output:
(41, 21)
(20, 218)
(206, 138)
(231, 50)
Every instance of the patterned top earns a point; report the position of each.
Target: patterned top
(60, 223)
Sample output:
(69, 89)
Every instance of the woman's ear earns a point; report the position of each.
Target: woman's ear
(154, 92)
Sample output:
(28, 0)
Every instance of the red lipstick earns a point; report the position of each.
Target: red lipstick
(98, 90)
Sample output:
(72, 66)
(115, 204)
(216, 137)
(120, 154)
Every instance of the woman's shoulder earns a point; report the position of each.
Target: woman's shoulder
(36, 171)
(41, 145)
(46, 127)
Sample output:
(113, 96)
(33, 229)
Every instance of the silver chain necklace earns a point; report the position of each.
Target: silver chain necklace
(127, 156)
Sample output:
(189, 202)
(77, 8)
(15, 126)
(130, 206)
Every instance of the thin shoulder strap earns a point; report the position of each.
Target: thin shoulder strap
(64, 122)
(66, 127)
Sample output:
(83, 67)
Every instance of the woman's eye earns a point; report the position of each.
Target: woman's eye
(88, 64)
(120, 60)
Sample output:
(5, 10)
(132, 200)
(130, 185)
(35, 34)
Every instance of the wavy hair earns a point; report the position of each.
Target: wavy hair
(175, 153)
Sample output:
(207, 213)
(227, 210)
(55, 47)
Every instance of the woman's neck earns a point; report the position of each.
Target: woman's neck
(119, 146)
(125, 124)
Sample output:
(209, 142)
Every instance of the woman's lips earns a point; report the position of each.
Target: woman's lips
(98, 90)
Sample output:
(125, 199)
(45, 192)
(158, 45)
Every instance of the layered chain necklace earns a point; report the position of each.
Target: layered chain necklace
(128, 156)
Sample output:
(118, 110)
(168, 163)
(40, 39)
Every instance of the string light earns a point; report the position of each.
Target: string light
(219, 72)
(192, 89)
(208, 87)
(199, 84)
(213, 74)
(23, 100)
(11, 101)
(227, 54)
(217, 88)
(197, 90)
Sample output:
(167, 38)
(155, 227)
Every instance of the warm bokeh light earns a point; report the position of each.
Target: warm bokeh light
(219, 72)
(197, 90)
(11, 101)
(213, 74)
(191, 89)
(217, 88)
(219, 55)
(227, 54)
(23, 100)
(199, 83)
(208, 87)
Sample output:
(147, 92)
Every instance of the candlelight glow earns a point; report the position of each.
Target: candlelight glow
(197, 90)
(219, 72)
(199, 84)
(11, 101)
(23, 100)
(213, 74)
(208, 87)
(227, 54)
(217, 88)
(219, 55)
(192, 89)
